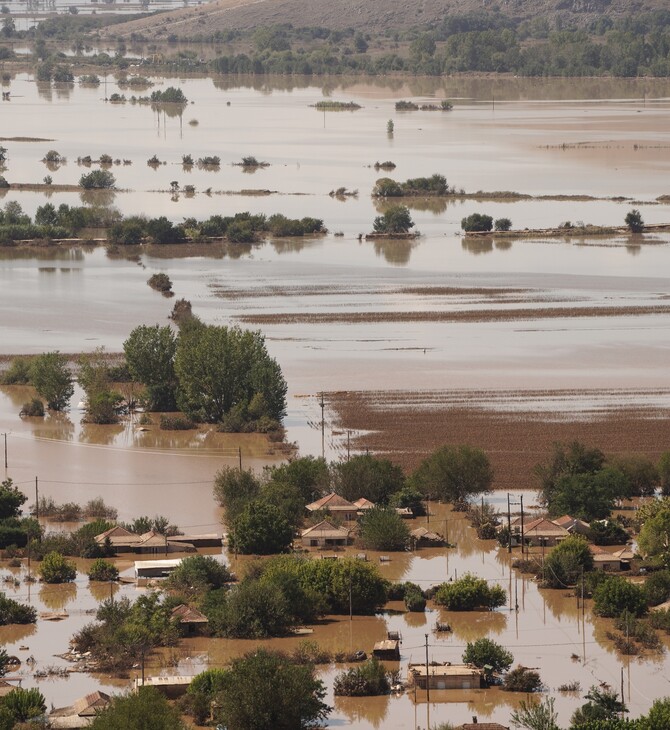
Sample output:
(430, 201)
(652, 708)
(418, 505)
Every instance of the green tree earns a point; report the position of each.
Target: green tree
(641, 473)
(382, 528)
(468, 593)
(502, 224)
(13, 612)
(369, 477)
(483, 652)
(409, 498)
(533, 715)
(664, 472)
(150, 353)
(266, 690)
(97, 180)
(567, 561)
(145, 710)
(657, 587)
(18, 372)
(589, 496)
(11, 500)
(52, 379)
(54, 568)
(260, 529)
(396, 219)
(615, 594)
(658, 717)
(224, 367)
(522, 679)
(567, 460)
(634, 221)
(198, 574)
(477, 222)
(602, 704)
(453, 474)
(233, 490)
(24, 704)
(202, 691)
(103, 570)
(309, 474)
(654, 538)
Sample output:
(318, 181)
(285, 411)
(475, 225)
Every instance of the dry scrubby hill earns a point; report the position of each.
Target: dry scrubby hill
(365, 15)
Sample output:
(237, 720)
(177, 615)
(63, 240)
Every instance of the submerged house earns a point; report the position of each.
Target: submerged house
(154, 543)
(574, 525)
(335, 505)
(445, 676)
(603, 560)
(423, 536)
(364, 504)
(325, 534)
(191, 621)
(387, 649)
(81, 713)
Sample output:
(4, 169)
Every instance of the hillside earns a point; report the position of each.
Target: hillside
(366, 15)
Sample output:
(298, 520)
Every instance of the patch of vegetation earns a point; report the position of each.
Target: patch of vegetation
(468, 593)
(522, 679)
(171, 95)
(395, 220)
(337, 106)
(102, 570)
(477, 222)
(177, 423)
(13, 612)
(435, 185)
(55, 568)
(383, 529)
(160, 282)
(367, 680)
(97, 180)
(33, 408)
(485, 652)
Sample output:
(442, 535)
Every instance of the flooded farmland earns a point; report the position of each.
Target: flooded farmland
(514, 342)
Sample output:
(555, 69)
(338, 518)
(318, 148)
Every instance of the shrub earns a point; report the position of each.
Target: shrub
(103, 570)
(369, 679)
(657, 587)
(56, 569)
(177, 423)
(634, 221)
(503, 224)
(396, 219)
(615, 595)
(13, 612)
(415, 601)
(97, 180)
(567, 561)
(522, 679)
(34, 408)
(477, 222)
(468, 593)
(161, 282)
(18, 372)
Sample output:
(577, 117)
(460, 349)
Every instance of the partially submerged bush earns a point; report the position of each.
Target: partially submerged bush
(54, 568)
(33, 408)
(367, 680)
(177, 423)
(477, 222)
(468, 593)
(522, 679)
(160, 282)
(102, 570)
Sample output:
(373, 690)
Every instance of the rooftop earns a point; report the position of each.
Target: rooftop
(445, 670)
(332, 502)
(326, 530)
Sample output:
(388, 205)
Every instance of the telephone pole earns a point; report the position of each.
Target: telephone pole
(37, 500)
(509, 526)
(5, 435)
(323, 427)
(427, 675)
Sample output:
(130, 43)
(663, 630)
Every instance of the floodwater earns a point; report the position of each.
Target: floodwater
(597, 138)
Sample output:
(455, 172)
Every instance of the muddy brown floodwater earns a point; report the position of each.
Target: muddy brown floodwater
(414, 342)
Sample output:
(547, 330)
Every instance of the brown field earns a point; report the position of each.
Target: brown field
(405, 426)
(484, 315)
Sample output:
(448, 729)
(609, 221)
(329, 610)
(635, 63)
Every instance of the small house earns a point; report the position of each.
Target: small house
(388, 649)
(602, 560)
(405, 512)
(122, 540)
(81, 714)
(543, 531)
(625, 555)
(363, 504)
(445, 676)
(155, 568)
(190, 619)
(335, 505)
(475, 725)
(324, 535)
(573, 525)
(171, 686)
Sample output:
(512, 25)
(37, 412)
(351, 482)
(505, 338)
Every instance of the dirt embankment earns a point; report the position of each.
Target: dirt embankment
(361, 14)
(510, 426)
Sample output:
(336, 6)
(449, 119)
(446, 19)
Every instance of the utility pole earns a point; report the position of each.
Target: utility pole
(509, 526)
(5, 435)
(623, 706)
(427, 675)
(37, 500)
(323, 425)
(522, 537)
(239, 456)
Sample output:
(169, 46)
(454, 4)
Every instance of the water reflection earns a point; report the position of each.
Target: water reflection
(56, 426)
(395, 251)
(92, 433)
(103, 198)
(101, 591)
(477, 246)
(372, 710)
(472, 625)
(56, 597)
